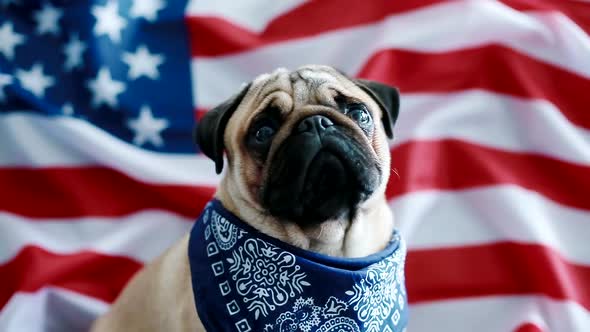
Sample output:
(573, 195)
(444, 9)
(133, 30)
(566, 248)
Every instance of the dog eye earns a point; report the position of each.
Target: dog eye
(359, 113)
(261, 133)
(263, 130)
(264, 133)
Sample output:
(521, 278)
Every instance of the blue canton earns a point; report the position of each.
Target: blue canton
(123, 66)
(244, 280)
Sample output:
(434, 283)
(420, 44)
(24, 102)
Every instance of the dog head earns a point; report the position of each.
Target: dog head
(304, 146)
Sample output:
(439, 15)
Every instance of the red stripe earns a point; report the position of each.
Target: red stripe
(199, 112)
(578, 11)
(63, 192)
(434, 274)
(495, 269)
(454, 165)
(495, 68)
(92, 274)
(528, 327)
(95, 191)
(214, 36)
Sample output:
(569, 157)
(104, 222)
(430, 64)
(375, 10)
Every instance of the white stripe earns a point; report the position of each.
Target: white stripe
(481, 117)
(496, 120)
(485, 118)
(498, 314)
(252, 14)
(50, 309)
(550, 37)
(433, 219)
(142, 236)
(34, 140)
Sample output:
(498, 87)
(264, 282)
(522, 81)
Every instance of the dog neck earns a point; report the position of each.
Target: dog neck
(363, 234)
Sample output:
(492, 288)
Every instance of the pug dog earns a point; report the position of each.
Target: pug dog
(308, 162)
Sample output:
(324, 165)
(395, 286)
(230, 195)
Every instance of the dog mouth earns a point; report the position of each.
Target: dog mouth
(327, 175)
(312, 180)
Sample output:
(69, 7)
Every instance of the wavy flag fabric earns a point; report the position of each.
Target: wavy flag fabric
(99, 175)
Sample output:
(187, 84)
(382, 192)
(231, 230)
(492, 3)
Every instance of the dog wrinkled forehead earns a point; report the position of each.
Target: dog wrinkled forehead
(310, 73)
(316, 74)
(307, 84)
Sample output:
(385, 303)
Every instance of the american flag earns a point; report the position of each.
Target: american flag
(99, 175)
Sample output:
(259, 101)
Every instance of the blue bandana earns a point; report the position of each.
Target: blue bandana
(244, 280)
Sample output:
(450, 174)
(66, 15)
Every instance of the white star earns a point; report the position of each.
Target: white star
(9, 39)
(34, 80)
(47, 19)
(146, 8)
(4, 81)
(108, 21)
(67, 109)
(105, 89)
(143, 63)
(73, 51)
(147, 128)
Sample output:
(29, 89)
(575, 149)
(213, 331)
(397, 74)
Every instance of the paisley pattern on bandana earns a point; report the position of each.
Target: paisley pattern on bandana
(226, 234)
(265, 276)
(376, 296)
(307, 317)
(245, 281)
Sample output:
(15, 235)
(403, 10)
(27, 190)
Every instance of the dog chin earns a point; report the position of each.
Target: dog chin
(318, 180)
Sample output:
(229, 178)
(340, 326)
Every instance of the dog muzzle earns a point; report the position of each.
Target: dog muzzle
(244, 280)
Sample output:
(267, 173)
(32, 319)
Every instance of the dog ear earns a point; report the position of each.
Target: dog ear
(388, 99)
(208, 133)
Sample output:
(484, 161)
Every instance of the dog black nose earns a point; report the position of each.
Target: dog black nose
(317, 122)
